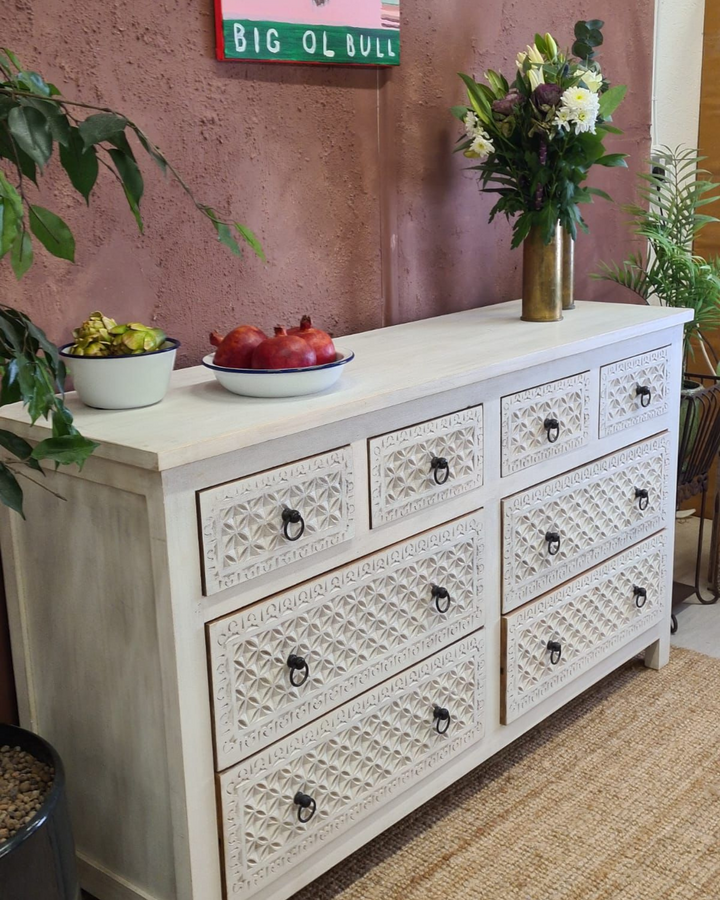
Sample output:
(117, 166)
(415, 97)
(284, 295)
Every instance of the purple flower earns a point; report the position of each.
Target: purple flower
(505, 106)
(547, 95)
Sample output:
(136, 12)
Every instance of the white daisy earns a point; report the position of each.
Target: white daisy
(472, 125)
(481, 147)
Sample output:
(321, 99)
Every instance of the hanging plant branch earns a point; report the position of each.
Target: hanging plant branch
(35, 119)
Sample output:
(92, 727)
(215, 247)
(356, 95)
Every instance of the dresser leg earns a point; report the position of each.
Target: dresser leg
(657, 655)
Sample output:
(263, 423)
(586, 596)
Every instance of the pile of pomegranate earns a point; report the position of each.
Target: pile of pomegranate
(247, 347)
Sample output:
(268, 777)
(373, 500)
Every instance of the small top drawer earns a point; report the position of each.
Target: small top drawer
(420, 466)
(633, 390)
(263, 522)
(544, 422)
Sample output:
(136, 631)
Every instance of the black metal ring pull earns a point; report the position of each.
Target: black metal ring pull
(555, 648)
(442, 719)
(552, 426)
(293, 517)
(553, 542)
(298, 664)
(640, 596)
(645, 394)
(643, 498)
(304, 803)
(439, 465)
(439, 594)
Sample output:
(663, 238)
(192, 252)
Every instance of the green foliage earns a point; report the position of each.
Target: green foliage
(34, 118)
(668, 219)
(537, 167)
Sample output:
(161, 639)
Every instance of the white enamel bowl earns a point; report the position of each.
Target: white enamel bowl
(122, 382)
(279, 382)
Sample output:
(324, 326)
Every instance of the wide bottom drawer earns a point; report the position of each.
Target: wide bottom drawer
(547, 643)
(285, 802)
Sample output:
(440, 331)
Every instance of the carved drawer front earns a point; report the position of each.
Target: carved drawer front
(284, 662)
(633, 391)
(290, 800)
(544, 422)
(258, 524)
(554, 531)
(550, 642)
(418, 467)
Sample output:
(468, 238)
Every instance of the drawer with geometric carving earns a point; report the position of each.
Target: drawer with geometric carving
(551, 641)
(290, 800)
(633, 391)
(281, 663)
(544, 422)
(555, 530)
(257, 524)
(418, 467)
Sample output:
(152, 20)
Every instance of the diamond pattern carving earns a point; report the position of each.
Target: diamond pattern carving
(524, 437)
(591, 617)
(242, 525)
(620, 405)
(354, 627)
(593, 509)
(401, 477)
(351, 762)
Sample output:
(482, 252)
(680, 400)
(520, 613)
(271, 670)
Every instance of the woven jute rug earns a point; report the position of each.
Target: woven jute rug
(615, 797)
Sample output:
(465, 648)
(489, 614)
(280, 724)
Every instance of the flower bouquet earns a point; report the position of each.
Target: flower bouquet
(535, 141)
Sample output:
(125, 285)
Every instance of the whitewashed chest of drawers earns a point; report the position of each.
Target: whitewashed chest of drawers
(260, 632)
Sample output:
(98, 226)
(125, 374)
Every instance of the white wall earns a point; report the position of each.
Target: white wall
(677, 72)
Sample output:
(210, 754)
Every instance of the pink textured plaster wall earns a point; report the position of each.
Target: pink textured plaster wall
(346, 174)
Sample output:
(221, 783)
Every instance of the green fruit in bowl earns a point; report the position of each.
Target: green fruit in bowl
(101, 336)
(136, 338)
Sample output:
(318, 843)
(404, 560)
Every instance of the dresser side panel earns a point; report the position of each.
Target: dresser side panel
(83, 601)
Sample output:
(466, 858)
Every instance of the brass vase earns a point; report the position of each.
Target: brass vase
(568, 270)
(542, 277)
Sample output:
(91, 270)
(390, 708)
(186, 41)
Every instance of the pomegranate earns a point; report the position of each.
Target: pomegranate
(320, 341)
(235, 350)
(284, 351)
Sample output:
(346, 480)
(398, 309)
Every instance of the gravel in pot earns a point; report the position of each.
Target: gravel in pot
(37, 853)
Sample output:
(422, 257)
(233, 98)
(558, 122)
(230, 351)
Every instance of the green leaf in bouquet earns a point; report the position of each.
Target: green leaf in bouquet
(609, 129)
(594, 38)
(613, 160)
(52, 233)
(459, 112)
(582, 29)
(479, 100)
(611, 99)
(595, 24)
(582, 50)
(598, 193)
(498, 83)
(541, 45)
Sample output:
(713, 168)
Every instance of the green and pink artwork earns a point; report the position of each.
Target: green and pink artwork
(335, 32)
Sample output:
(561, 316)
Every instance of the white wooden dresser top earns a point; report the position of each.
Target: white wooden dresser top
(199, 420)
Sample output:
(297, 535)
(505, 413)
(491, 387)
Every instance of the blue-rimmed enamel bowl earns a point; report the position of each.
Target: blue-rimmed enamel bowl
(279, 382)
(122, 382)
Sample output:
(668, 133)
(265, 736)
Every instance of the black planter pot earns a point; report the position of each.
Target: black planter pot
(38, 863)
